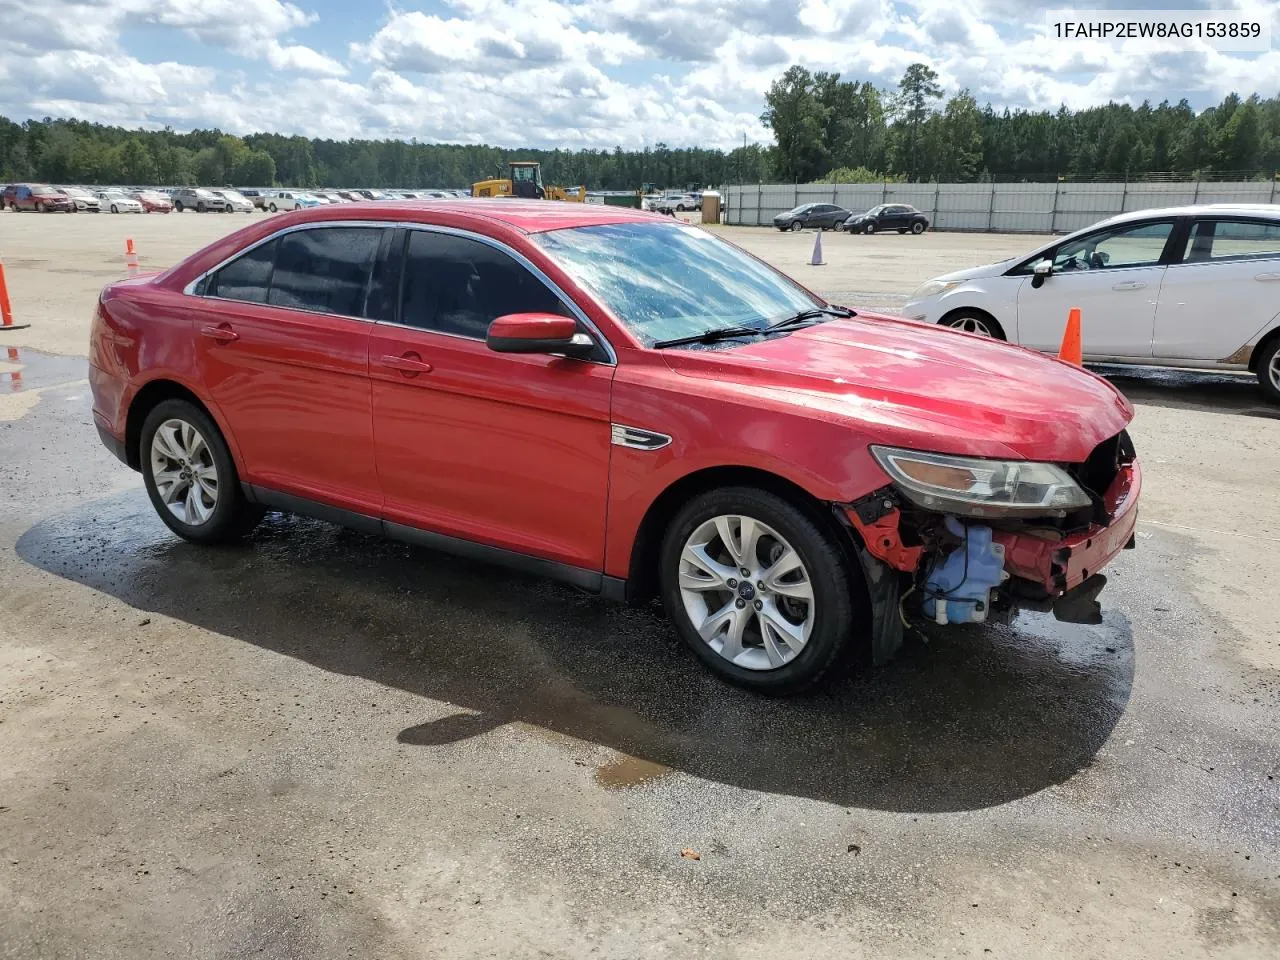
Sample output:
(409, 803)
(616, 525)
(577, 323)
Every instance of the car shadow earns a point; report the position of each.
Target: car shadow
(1212, 392)
(964, 719)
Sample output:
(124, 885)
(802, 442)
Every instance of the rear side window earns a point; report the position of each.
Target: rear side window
(1232, 240)
(326, 269)
(248, 277)
(459, 286)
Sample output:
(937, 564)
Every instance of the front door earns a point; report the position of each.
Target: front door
(1224, 291)
(506, 450)
(1113, 275)
(284, 353)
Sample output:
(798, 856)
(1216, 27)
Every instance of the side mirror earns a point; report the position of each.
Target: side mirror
(1041, 272)
(538, 333)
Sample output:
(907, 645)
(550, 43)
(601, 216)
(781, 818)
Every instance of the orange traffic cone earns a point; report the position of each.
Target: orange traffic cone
(6, 311)
(130, 256)
(1071, 350)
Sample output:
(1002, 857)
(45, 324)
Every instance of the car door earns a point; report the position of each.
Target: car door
(1222, 291)
(283, 350)
(507, 450)
(1113, 275)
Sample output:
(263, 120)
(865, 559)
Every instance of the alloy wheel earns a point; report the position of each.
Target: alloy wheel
(747, 592)
(184, 472)
(971, 325)
(1273, 370)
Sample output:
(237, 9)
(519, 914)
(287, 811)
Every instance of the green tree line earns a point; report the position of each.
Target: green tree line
(824, 128)
(845, 131)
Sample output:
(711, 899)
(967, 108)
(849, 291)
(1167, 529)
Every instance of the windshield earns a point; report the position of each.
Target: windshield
(875, 211)
(231, 195)
(44, 192)
(204, 194)
(665, 280)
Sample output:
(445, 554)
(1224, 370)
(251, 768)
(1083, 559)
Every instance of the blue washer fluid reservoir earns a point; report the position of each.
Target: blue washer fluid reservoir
(958, 589)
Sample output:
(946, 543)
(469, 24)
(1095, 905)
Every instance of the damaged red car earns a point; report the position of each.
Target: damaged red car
(628, 404)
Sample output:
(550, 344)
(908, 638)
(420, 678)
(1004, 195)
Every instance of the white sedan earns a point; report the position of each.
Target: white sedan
(117, 201)
(1180, 287)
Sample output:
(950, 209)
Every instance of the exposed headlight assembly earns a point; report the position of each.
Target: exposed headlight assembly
(931, 288)
(974, 487)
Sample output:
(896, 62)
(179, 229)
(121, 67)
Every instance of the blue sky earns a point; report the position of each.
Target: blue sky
(572, 73)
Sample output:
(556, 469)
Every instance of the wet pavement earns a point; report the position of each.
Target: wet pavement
(322, 744)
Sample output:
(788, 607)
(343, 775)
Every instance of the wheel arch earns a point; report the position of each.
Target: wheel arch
(951, 314)
(151, 395)
(1269, 338)
(642, 572)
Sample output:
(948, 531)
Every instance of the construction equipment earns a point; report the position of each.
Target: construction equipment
(524, 180)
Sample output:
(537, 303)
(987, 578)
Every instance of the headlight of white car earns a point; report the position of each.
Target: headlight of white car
(974, 487)
(931, 288)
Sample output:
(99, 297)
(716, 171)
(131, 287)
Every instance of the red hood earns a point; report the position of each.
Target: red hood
(924, 387)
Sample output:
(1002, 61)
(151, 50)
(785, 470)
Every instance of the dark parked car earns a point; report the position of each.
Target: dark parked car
(820, 216)
(889, 216)
(37, 197)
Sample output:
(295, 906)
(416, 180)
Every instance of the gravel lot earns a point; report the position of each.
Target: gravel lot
(325, 745)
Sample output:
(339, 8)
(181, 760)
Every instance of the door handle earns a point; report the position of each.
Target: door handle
(222, 333)
(1267, 277)
(1128, 285)
(409, 363)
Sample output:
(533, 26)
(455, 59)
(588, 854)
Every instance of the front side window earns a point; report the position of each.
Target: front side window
(1130, 245)
(664, 280)
(459, 286)
(1232, 240)
(326, 270)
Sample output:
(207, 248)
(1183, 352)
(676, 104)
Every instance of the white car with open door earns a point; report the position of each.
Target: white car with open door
(1182, 287)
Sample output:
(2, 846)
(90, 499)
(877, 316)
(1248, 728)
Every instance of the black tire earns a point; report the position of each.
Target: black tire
(233, 516)
(39, 207)
(1269, 370)
(113, 209)
(917, 228)
(838, 225)
(272, 208)
(177, 206)
(840, 614)
(869, 228)
(796, 225)
(971, 320)
(679, 208)
(200, 207)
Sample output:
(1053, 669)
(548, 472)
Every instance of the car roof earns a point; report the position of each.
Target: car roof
(1197, 210)
(528, 216)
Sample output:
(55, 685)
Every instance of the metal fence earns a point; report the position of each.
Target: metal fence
(992, 207)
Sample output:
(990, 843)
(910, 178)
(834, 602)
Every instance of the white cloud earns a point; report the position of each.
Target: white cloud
(572, 73)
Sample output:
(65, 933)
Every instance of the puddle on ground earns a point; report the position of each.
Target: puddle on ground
(628, 771)
(22, 368)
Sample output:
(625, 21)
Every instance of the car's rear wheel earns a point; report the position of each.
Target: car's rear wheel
(917, 228)
(869, 228)
(1269, 370)
(838, 225)
(973, 321)
(272, 208)
(759, 591)
(190, 476)
(796, 225)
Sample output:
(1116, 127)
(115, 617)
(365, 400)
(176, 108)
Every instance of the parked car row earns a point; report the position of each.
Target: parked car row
(673, 202)
(41, 198)
(901, 217)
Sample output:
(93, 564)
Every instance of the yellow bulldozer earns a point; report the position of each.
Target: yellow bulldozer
(524, 179)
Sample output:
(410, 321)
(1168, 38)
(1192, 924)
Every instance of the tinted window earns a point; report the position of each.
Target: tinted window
(1232, 240)
(1131, 245)
(248, 277)
(325, 270)
(457, 285)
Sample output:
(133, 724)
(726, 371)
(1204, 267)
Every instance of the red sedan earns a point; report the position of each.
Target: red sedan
(153, 201)
(626, 403)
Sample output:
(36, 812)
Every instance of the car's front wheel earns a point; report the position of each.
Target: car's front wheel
(796, 226)
(177, 205)
(190, 476)
(973, 321)
(1269, 371)
(759, 591)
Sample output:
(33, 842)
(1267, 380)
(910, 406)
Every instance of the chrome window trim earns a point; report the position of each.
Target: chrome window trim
(637, 438)
(190, 289)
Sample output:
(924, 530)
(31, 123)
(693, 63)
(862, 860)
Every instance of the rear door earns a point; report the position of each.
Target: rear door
(506, 450)
(283, 348)
(1222, 292)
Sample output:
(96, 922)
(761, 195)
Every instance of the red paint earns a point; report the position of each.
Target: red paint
(514, 450)
(533, 326)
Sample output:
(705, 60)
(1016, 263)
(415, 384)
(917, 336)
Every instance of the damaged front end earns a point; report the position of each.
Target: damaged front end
(965, 540)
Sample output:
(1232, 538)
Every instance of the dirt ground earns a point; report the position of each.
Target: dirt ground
(325, 745)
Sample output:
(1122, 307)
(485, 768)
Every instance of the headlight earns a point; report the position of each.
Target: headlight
(931, 288)
(974, 487)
